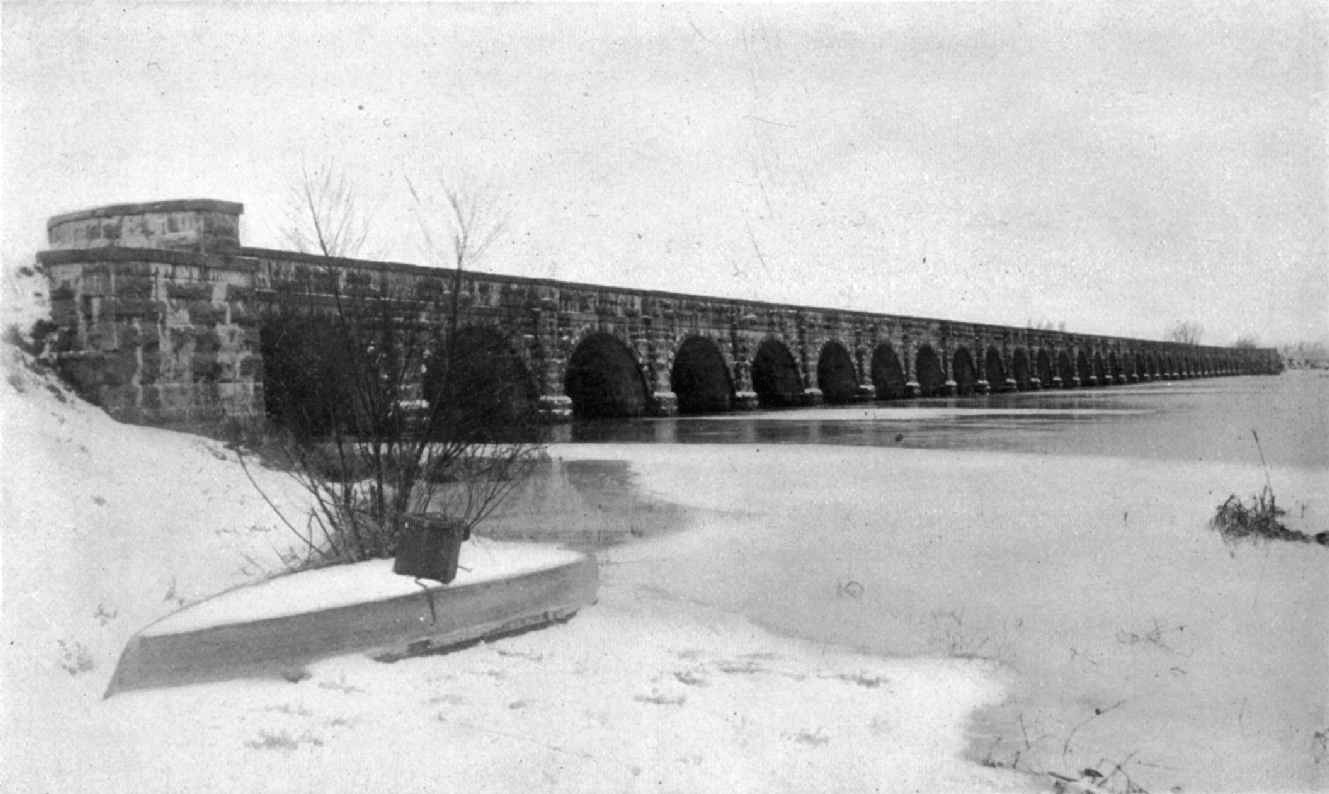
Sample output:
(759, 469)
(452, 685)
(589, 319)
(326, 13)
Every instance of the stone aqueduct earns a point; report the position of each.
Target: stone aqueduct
(159, 317)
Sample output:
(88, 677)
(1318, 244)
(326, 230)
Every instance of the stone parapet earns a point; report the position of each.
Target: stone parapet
(195, 225)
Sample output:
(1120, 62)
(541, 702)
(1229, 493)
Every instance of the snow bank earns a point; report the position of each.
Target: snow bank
(110, 527)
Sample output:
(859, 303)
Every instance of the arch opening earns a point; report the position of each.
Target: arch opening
(1020, 369)
(994, 370)
(1100, 370)
(494, 395)
(305, 385)
(962, 371)
(887, 374)
(775, 376)
(928, 371)
(1044, 367)
(1114, 368)
(836, 375)
(1082, 369)
(1065, 370)
(700, 378)
(604, 380)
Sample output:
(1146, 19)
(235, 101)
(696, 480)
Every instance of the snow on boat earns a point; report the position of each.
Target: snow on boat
(278, 626)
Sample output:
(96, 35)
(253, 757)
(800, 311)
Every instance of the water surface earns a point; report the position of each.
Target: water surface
(1191, 420)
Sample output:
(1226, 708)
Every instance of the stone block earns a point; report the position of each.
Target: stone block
(251, 368)
(205, 312)
(149, 367)
(142, 308)
(189, 291)
(131, 286)
(205, 367)
(149, 399)
(102, 337)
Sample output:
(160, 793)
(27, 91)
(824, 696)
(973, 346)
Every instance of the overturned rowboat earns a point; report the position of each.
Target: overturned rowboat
(278, 626)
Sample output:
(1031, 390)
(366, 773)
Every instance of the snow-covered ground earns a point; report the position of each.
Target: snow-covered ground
(108, 528)
(1132, 634)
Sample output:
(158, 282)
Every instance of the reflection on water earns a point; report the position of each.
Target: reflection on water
(1186, 420)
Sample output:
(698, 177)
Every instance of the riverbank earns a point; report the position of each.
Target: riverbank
(109, 527)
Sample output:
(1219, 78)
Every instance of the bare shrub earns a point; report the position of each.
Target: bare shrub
(378, 415)
(381, 403)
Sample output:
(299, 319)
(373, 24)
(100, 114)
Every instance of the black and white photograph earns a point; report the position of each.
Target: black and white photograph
(621, 397)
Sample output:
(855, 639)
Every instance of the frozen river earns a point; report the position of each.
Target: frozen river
(1061, 535)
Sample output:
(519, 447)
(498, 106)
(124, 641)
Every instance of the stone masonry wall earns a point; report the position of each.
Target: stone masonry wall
(158, 337)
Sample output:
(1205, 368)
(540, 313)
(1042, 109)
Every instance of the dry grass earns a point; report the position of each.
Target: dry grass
(1257, 520)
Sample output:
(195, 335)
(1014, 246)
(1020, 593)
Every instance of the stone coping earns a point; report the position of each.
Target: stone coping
(144, 208)
(64, 256)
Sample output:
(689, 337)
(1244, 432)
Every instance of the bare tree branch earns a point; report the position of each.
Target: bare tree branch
(325, 213)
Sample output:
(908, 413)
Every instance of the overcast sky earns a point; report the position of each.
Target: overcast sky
(1118, 168)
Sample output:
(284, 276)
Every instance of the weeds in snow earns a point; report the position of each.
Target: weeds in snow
(1153, 636)
(661, 700)
(864, 679)
(105, 614)
(1098, 712)
(953, 638)
(1089, 780)
(811, 738)
(75, 657)
(1237, 521)
(268, 740)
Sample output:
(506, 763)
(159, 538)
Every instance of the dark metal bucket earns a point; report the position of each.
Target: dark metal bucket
(428, 547)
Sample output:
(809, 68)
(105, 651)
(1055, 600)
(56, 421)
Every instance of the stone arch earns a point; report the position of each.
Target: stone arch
(887, 374)
(1151, 365)
(305, 383)
(1100, 369)
(604, 379)
(1044, 367)
(775, 376)
(1082, 369)
(1020, 369)
(836, 376)
(700, 378)
(1065, 370)
(1113, 367)
(492, 389)
(963, 372)
(994, 370)
(928, 372)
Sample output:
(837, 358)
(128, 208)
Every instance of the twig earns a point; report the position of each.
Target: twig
(1263, 462)
(280, 515)
(1066, 746)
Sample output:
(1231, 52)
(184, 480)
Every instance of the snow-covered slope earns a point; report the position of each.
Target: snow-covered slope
(108, 527)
